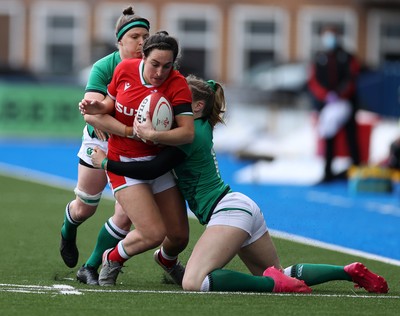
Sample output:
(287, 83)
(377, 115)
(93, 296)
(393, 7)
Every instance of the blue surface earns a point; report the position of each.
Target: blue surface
(328, 213)
(378, 90)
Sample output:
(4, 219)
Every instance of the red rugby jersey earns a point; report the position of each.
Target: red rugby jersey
(128, 88)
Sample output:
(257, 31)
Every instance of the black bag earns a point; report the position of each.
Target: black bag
(394, 155)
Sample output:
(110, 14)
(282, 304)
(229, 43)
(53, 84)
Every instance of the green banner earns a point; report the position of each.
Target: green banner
(40, 110)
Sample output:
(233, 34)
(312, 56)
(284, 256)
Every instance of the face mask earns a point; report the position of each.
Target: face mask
(329, 41)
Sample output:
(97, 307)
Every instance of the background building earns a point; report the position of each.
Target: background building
(220, 38)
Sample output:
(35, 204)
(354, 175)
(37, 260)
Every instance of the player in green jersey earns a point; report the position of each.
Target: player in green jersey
(131, 31)
(235, 224)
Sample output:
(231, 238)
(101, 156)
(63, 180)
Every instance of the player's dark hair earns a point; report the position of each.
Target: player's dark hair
(212, 93)
(128, 20)
(162, 41)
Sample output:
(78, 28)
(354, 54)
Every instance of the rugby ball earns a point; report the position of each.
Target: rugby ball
(160, 111)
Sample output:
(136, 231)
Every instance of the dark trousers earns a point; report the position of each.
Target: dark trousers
(352, 145)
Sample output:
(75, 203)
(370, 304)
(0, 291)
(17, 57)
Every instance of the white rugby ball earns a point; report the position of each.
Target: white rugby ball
(160, 111)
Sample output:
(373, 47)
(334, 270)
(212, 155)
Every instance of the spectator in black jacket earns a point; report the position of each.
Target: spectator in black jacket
(332, 85)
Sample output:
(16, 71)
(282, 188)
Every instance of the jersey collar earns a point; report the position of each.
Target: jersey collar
(141, 73)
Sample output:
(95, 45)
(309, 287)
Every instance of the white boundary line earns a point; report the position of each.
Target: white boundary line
(43, 178)
(70, 290)
(40, 289)
(320, 244)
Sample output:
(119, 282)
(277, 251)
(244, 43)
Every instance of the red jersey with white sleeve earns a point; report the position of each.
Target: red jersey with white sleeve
(128, 88)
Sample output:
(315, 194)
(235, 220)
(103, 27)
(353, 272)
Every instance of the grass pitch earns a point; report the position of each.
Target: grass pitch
(35, 281)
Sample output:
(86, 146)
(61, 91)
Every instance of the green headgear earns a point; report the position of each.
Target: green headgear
(212, 85)
(129, 25)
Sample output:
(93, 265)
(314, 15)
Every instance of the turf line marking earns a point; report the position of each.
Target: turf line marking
(70, 290)
(244, 293)
(346, 202)
(40, 289)
(324, 245)
(43, 178)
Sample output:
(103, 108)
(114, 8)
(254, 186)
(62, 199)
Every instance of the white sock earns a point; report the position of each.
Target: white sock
(114, 230)
(205, 286)
(288, 271)
(122, 252)
(69, 217)
(167, 257)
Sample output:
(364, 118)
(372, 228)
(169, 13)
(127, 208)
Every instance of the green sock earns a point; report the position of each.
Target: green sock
(69, 227)
(105, 240)
(232, 281)
(314, 274)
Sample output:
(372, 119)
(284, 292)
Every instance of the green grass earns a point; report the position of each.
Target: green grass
(31, 217)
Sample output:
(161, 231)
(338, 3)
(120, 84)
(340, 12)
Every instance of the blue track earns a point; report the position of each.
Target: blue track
(327, 213)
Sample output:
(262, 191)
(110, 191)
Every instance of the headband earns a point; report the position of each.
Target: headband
(129, 25)
(212, 85)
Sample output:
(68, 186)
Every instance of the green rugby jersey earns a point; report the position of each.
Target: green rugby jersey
(100, 76)
(198, 176)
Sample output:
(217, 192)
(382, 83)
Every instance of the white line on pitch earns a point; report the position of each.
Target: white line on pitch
(70, 290)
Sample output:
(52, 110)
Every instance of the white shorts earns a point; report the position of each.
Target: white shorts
(238, 210)
(160, 184)
(88, 143)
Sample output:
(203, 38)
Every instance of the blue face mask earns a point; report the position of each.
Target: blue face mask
(329, 41)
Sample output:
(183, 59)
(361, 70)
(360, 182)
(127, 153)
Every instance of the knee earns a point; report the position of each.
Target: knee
(121, 220)
(155, 241)
(80, 211)
(180, 241)
(179, 236)
(154, 237)
(192, 282)
(188, 284)
(86, 198)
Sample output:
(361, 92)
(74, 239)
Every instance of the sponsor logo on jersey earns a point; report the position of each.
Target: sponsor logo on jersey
(124, 110)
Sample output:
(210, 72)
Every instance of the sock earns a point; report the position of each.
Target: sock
(205, 286)
(108, 237)
(314, 274)
(118, 253)
(70, 226)
(166, 260)
(222, 280)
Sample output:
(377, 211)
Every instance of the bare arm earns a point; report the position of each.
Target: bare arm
(100, 97)
(109, 124)
(104, 122)
(182, 134)
(89, 106)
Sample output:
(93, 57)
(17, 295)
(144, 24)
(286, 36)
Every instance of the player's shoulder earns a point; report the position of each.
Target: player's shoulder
(128, 65)
(112, 60)
(102, 72)
(203, 129)
(177, 75)
(177, 80)
(131, 61)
